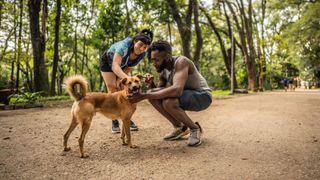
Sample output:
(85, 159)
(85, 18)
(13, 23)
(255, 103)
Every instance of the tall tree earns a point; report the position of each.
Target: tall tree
(244, 28)
(260, 45)
(128, 23)
(226, 57)
(56, 49)
(38, 44)
(184, 25)
(19, 45)
(1, 11)
(75, 47)
(199, 40)
(12, 80)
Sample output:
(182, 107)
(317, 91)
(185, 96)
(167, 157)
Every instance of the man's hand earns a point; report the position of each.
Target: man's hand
(134, 98)
(148, 78)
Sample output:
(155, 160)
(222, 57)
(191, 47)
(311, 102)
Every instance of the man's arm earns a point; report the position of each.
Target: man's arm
(179, 80)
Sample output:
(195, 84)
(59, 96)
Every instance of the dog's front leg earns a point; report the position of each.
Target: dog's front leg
(123, 135)
(126, 127)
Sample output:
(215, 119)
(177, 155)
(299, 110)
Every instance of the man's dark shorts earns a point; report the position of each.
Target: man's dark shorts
(192, 100)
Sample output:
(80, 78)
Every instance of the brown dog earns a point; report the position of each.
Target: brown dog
(112, 105)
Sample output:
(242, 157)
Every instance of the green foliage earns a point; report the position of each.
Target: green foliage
(110, 21)
(54, 98)
(25, 98)
(292, 36)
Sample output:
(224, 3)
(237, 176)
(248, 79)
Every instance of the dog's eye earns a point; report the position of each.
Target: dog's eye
(136, 81)
(130, 83)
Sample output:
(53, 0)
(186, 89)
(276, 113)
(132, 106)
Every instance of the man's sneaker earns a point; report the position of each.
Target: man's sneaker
(195, 136)
(176, 134)
(133, 127)
(115, 127)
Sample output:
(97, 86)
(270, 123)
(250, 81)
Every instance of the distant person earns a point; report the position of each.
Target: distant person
(285, 83)
(295, 83)
(181, 88)
(118, 60)
(290, 82)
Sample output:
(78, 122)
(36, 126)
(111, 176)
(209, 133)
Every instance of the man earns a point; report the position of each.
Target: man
(181, 88)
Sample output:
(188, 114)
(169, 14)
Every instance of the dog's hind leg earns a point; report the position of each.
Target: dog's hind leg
(85, 127)
(73, 124)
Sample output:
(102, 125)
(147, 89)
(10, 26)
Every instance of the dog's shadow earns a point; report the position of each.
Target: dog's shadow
(150, 146)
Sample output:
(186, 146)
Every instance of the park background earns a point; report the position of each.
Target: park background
(43, 42)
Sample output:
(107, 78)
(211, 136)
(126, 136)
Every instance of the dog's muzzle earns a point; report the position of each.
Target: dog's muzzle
(134, 89)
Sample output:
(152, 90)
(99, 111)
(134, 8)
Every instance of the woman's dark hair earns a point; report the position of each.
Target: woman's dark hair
(161, 46)
(145, 36)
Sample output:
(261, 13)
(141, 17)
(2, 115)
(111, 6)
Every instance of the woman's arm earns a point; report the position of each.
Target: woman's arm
(117, 58)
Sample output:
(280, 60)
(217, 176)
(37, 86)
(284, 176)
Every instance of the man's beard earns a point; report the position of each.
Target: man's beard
(161, 67)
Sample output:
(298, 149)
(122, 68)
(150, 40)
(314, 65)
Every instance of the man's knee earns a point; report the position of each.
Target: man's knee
(155, 102)
(170, 103)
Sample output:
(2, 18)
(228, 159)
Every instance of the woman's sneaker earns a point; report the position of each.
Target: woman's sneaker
(176, 134)
(115, 127)
(195, 136)
(133, 126)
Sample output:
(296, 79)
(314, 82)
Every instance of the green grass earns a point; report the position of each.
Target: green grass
(221, 93)
(54, 98)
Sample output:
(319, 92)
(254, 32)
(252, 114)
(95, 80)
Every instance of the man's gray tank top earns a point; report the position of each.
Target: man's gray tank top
(195, 81)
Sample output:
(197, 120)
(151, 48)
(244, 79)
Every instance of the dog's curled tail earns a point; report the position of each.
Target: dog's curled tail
(71, 86)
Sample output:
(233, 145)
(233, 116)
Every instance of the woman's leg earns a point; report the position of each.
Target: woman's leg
(110, 80)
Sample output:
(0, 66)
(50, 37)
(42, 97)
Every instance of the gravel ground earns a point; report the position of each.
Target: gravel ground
(272, 135)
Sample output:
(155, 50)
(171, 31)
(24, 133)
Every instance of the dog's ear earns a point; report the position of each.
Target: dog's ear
(140, 77)
(124, 80)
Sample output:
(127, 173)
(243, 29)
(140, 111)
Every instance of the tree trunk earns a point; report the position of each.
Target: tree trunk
(169, 30)
(245, 33)
(252, 54)
(128, 24)
(38, 46)
(19, 45)
(28, 72)
(263, 66)
(184, 27)
(75, 47)
(1, 7)
(232, 50)
(225, 55)
(56, 49)
(4, 49)
(15, 45)
(197, 52)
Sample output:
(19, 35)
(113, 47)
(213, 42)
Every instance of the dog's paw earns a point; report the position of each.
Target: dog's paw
(134, 146)
(63, 153)
(67, 149)
(84, 155)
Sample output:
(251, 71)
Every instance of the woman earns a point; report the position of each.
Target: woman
(117, 61)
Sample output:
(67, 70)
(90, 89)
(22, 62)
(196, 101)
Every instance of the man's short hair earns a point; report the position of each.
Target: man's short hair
(161, 46)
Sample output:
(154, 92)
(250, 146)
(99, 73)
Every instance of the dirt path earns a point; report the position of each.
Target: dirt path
(264, 136)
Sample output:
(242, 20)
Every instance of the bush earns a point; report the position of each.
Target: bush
(25, 98)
